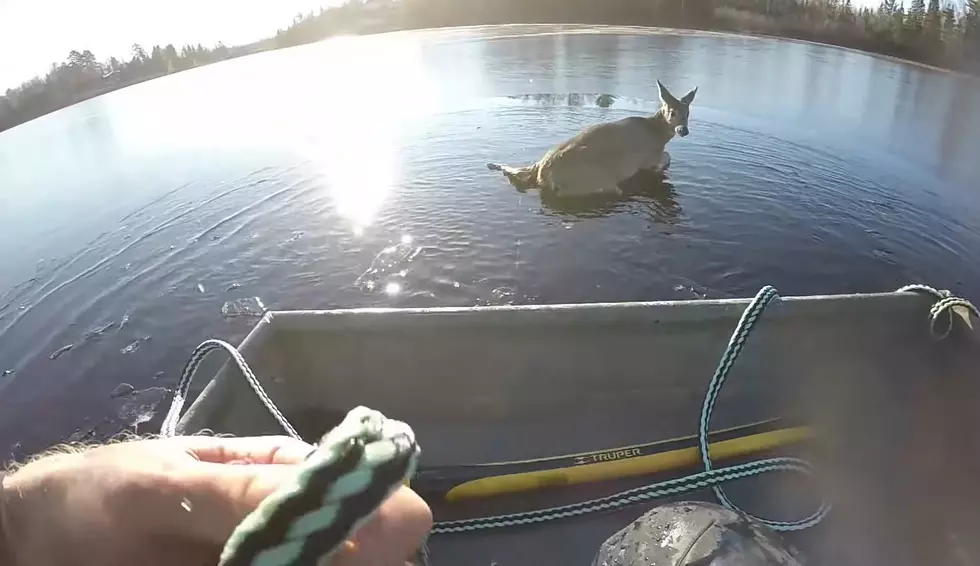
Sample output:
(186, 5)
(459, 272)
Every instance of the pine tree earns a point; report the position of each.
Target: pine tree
(932, 22)
(898, 23)
(917, 12)
(912, 26)
(971, 16)
(970, 26)
(948, 24)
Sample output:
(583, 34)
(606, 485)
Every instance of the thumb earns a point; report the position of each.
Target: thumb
(219, 496)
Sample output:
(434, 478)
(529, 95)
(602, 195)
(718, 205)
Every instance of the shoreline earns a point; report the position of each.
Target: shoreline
(267, 45)
(885, 56)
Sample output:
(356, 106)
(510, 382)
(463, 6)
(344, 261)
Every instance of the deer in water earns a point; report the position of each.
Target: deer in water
(600, 157)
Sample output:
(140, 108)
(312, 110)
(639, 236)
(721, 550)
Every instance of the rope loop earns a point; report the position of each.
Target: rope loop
(169, 427)
(945, 302)
(736, 343)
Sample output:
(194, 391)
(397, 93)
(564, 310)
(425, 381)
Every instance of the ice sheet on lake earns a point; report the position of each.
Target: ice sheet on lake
(129, 408)
(139, 406)
(61, 351)
(93, 334)
(246, 306)
(503, 295)
(134, 345)
(99, 331)
(581, 99)
(391, 261)
(122, 390)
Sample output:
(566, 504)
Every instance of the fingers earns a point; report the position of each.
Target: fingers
(392, 535)
(226, 494)
(221, 495)
(255, 450)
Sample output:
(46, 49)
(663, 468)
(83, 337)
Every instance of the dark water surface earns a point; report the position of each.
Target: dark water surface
(352, 173)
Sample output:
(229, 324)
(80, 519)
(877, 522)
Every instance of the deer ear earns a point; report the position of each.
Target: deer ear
(689, 97)
(665, 95)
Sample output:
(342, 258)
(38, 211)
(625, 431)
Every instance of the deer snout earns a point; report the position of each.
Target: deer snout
(681, 130)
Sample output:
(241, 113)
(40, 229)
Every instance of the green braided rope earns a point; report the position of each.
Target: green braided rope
(338, 488)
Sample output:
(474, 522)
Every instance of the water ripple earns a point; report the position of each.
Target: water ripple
(313, 212)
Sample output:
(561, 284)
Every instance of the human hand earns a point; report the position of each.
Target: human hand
(173, 501)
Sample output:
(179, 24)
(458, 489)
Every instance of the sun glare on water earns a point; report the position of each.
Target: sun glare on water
(340, 106)
(393, 288)
(355, 144)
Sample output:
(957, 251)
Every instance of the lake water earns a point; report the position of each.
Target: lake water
(353, 173)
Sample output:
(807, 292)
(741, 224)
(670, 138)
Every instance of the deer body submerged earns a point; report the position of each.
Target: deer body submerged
(601, 156)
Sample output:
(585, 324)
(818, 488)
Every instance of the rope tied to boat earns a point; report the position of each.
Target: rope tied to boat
(945, 302)
(169, 427)
(359, 463)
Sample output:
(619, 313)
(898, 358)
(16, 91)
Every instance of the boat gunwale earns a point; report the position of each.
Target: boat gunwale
(663, 311)
(615, 304)
(567, 315)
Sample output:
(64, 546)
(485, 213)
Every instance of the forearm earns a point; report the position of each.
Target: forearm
(31, 530)
(35, 524)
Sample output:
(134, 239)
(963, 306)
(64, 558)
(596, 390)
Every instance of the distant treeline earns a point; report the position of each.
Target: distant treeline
(83, 76)
(939, 33)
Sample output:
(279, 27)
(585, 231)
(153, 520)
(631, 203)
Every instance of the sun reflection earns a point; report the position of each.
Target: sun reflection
(360, 172)
(354, 124)
(342, 105)
(393, 288)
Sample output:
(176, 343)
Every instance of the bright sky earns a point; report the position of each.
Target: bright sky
(36, 33)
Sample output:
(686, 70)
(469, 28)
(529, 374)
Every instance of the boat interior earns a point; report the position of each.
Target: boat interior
(895, 413)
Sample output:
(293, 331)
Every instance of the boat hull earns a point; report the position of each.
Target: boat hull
(891, 408)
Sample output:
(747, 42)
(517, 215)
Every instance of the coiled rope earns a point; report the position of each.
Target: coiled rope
(357, 465)
(337, 489)
(945, 302)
